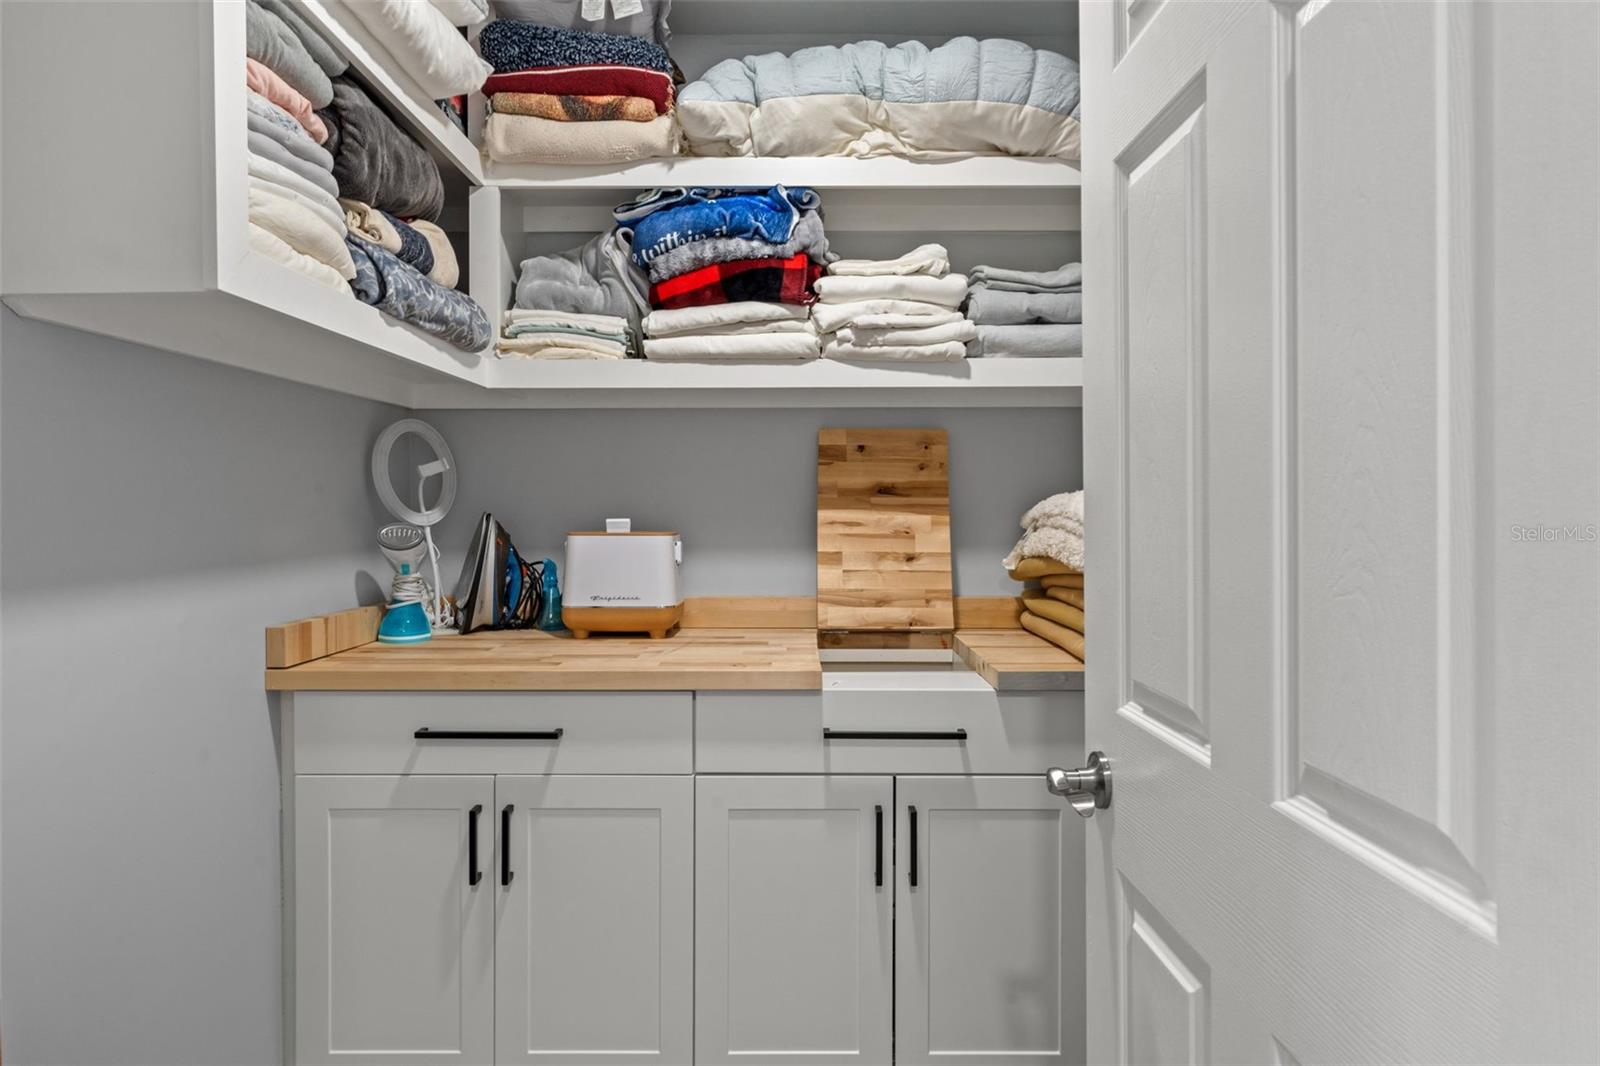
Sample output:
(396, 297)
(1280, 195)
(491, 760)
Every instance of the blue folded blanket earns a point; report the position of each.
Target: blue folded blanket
(510, 45)
(683, 216)
(397, 289)
(414, 247)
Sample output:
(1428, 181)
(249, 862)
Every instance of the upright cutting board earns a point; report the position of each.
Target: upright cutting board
(883, 531)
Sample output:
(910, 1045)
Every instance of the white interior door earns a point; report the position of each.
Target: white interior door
(1341, 371)
(792, 927)
(394, 942)
(594, 949)
(988, 923)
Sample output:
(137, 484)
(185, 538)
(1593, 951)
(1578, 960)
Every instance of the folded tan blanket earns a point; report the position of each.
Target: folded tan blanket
(1039, 566)
(526, 139)
(370, 225)
(575, 108)
(1073, 596)
(1060, 613)
(1061, 581)
(1062, 637)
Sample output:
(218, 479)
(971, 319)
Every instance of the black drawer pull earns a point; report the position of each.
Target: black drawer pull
(487, 734)
(891, 734)
(911, 816)
(505, 845)
(474, 875)
(877, 851)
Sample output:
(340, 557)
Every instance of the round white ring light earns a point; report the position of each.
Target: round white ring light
(381, 468)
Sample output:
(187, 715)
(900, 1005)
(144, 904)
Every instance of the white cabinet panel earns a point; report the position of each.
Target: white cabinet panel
(394, 944)
(988, 923)
(593, 954)
(792, 932)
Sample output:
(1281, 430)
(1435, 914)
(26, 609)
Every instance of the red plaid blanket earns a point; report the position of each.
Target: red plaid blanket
(772, 281)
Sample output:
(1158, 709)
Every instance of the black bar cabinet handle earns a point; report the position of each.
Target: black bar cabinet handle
(505, 845)
(891, 734)
(877, 851)
(486, 734)
(911, 813)
(474, 875)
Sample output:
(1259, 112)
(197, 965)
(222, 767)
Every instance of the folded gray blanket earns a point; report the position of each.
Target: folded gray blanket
(269, 41)
(1065, 279)
(807, 237)
(1026, 342)
(296, 141)
(999, 307)
(267, 148)
(375, 161)
(326, 56)
(597, 279)
(397, 289)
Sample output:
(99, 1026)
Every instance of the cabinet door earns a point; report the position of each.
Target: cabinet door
(394, 944)
(792, 931)
(988, 923)
(594, 950)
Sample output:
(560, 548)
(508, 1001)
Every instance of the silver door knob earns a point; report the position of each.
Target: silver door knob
(1088, 789)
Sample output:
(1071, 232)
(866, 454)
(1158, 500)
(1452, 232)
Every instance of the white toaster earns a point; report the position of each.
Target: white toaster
(620, 581)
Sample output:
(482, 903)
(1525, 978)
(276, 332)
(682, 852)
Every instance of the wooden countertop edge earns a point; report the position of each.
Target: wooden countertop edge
(1064, 674)
(492, 680)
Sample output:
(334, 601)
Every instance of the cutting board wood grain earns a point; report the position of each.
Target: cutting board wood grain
(883, 530)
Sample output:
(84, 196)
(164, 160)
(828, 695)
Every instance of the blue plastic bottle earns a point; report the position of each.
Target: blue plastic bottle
(550, 601)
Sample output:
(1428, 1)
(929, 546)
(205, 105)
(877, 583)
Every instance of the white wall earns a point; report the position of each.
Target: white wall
(159, 511)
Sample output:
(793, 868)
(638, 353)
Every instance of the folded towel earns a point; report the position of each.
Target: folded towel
(784, 281)
(400, 290)
(319, 47)
(567, 108)
(532, 345)
(1066, 639)
(757, 347)
(1073, 596)
(862, 337)
(750, 329)
(724, 316)
(1068, 278)
(1050, 543)
(509, 44)
(259, 78)
(1060, 581)
(293, 140)
(635, 18)
(375, 161)
(270, 41)
(998, 307)
(463, 12)
(559, 330)
(807, 239)
(301, 229)
(568, 354)
(587, 80)
(1040, 567)
(519, 316)
(949, 352)
(947, 291)
(1063, 614)
(1027, 342)
(277, 174)
(273, 247)
(1063, 510)
(881, 314)
(264, 147)
(526, 139)
(446, 268)
(930, 259)
(424, 44)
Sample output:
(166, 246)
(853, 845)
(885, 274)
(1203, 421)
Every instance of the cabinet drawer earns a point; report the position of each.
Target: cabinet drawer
(782, 732)
(600, 733)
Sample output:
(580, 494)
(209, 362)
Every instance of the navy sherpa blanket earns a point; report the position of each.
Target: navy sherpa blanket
(511, 45)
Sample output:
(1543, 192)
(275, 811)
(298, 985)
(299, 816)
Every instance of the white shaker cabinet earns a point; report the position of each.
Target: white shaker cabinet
(988, 923)
(594, 951)
(793, 953)
(394, 959)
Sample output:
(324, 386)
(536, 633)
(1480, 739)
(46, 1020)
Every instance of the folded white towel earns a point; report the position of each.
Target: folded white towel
(880, 313)
(504, 352)
(1051, 543)
(788, 347)
(272, 246)
(1064, 510)
(690, 319)
(930, 259)
(861, 337)
(598, 323)
(536, 344)
(950, 352)
(751, 329)
(947, 291)
(302, 229)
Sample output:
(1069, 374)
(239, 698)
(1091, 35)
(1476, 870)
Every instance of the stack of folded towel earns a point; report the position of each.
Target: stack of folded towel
(580, 304)
(1024, 314)
(893, 310)
(561, 95)
(730, 271)
(1051, 553)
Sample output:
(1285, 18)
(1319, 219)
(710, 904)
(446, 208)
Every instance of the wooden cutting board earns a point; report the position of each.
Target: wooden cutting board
(883, 530)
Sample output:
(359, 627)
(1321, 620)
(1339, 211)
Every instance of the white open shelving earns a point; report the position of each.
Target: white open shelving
(175, 271)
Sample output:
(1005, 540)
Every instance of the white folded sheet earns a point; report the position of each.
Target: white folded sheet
(861, 337)
(302, 229)
(930, 259)
(947, 291)
(786, 347)
(272, 246)
(599, 323)
(881, 314)
(949, 352)
(536, 345)
(692, 319)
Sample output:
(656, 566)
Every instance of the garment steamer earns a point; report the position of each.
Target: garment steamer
(416, 608)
